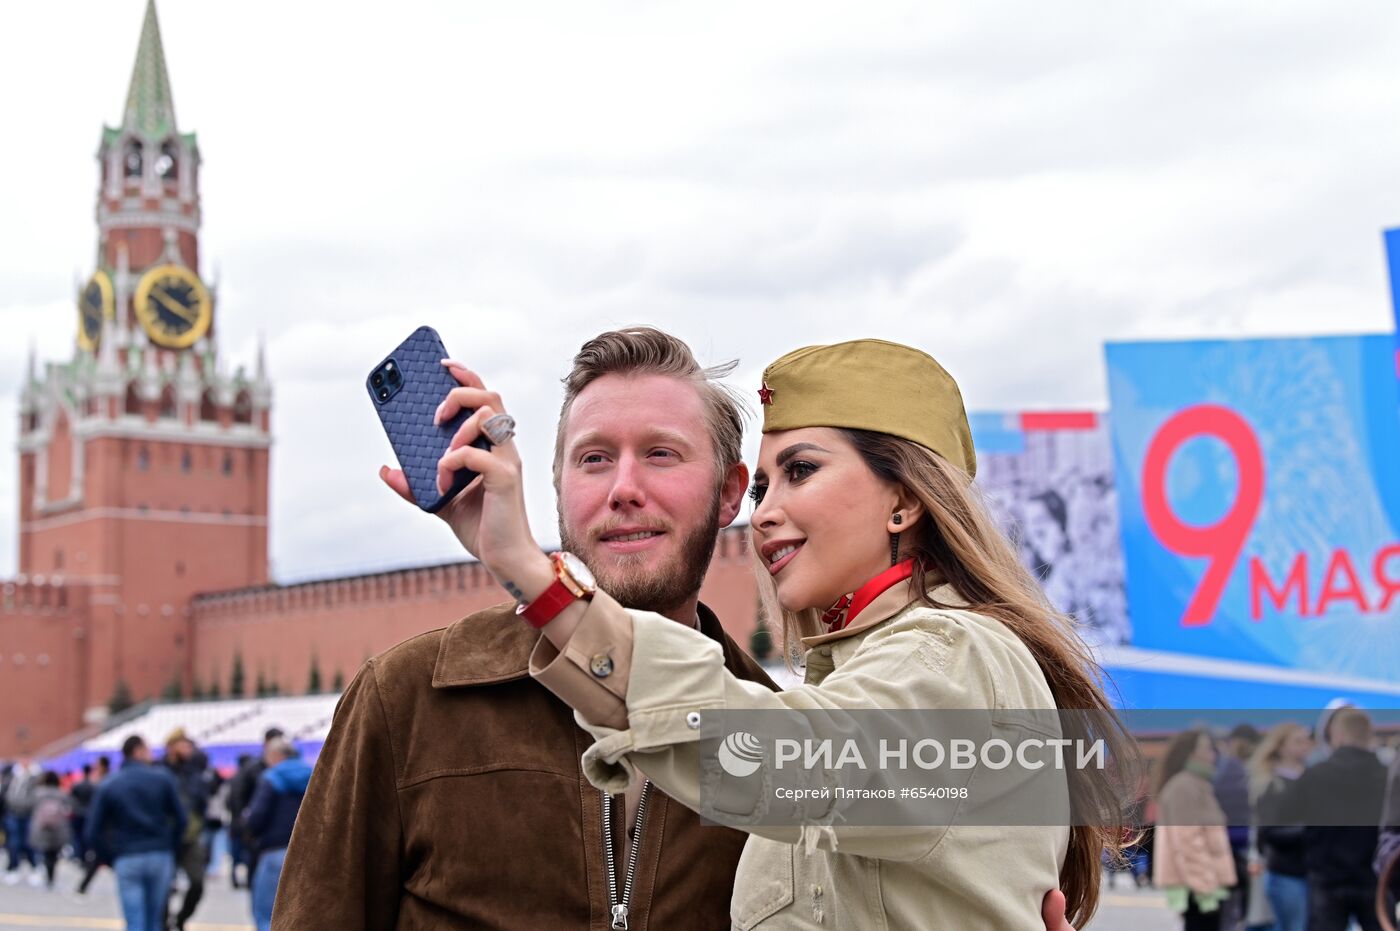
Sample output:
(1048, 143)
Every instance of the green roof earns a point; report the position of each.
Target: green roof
(150, 106)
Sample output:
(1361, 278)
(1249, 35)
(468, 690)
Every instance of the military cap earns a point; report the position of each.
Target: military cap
(870, 384)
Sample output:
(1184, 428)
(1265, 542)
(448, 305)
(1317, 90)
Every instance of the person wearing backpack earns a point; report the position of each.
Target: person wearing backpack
(50, 827)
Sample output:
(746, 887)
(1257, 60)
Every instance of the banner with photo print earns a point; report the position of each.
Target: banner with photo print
(1259, 488)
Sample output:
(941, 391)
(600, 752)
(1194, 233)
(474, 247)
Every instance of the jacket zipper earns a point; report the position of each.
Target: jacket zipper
(619, 906)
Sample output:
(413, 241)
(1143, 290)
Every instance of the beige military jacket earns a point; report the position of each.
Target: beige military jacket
(642, 684)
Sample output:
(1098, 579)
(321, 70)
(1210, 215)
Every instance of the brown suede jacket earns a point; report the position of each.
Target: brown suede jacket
(449, 795)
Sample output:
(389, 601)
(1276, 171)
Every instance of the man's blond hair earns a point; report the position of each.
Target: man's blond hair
(644, 350)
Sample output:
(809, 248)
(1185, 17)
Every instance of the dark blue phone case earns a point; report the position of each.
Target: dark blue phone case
(408, 416)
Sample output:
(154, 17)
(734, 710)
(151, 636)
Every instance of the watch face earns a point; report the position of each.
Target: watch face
(575, 567)
(173, 306)
(94, 306)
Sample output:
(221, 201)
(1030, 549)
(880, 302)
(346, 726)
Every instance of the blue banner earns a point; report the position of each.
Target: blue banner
(1259, 491)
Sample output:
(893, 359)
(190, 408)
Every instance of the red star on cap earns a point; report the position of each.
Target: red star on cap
(765, 394)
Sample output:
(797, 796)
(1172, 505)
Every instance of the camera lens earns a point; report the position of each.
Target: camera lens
(394, 376)
(377, 380)
(383, 394)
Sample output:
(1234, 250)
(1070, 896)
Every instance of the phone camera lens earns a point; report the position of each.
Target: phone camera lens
(378, 379)
(383, 394)
(394, 376)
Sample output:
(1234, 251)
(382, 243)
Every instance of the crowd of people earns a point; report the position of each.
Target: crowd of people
(1279, 831)
(152, 819)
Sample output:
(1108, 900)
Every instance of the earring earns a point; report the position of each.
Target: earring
(898, 518)
(894, 548)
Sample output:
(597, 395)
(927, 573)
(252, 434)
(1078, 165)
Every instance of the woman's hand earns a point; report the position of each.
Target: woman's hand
(488, 516)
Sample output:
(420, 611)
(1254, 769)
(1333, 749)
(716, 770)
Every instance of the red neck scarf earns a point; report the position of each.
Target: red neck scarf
(840, 615)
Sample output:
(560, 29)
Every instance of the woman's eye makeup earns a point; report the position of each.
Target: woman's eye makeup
(798, 469)
(795, 470)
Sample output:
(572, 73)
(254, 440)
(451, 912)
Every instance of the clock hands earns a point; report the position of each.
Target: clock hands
(174, 306)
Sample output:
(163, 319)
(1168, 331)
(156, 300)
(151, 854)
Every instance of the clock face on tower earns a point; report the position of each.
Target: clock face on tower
(94, 306)
(173, 305)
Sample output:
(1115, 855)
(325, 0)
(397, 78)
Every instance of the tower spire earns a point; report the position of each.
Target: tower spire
(150, 105)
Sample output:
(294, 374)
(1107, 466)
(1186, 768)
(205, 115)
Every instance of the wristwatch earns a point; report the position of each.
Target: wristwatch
(572, 582)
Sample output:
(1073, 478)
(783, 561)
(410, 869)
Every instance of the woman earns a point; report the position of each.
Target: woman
(50, 827)
(1280, 759)
(1192, 862)
(876, 556)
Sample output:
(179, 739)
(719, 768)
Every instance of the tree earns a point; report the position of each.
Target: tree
(235, 679)
(174, 689)
(338, 683)
(213, 694)
(260, 690)
(121, 698)
(313, 681)
(197, 690)
(761, 642)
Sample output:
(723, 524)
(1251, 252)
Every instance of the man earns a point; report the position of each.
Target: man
(20, 790)
(190, 767)
(82, 791)
(136, 823)
(101, 769)
(1340, 802)
(240, 796)
(269, 820)
(1232, 792)
(449, 793)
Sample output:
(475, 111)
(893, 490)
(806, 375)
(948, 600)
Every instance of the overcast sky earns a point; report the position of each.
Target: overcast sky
(1007, 186)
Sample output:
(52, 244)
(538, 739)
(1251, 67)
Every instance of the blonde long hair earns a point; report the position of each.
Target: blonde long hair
(1265, 759)
(958, 543)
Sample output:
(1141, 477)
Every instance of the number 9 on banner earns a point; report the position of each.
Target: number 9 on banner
(1222, 541)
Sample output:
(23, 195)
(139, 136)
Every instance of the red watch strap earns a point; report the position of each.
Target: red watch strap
(547, 606)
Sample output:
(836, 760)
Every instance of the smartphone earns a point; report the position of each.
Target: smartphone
(406, 387)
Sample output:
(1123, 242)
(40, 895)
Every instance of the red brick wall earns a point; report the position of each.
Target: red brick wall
(345, 621)
(42, 654)
(148, 539)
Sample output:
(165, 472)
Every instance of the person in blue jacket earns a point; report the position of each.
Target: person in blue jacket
(270, 818)
(136, 823)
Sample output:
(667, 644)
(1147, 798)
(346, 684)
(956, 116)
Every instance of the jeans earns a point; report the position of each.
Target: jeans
(1288, 896)
(143, 882)
(17, 841)
(265, 879)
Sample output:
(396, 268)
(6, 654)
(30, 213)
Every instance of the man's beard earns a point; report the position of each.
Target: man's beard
(661, 589)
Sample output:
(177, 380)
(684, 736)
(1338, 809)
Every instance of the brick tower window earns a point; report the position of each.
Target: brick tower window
(207, 409)
(133, 399)
(243, 408)
(167, 401)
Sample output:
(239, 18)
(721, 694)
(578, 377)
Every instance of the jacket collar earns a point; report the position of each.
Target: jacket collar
(885, 606)
(494, 646)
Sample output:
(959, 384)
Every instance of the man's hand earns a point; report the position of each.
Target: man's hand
(1052, 912)
(488, 517)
